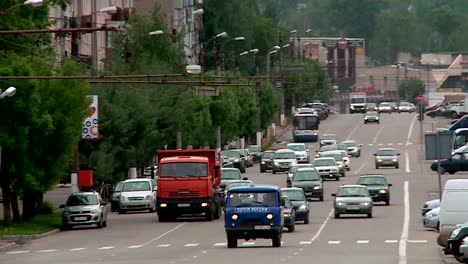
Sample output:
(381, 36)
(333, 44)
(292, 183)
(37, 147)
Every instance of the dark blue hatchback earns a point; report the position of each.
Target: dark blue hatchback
(254, 211)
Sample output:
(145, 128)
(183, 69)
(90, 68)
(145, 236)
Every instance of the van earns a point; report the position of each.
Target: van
(453, 208)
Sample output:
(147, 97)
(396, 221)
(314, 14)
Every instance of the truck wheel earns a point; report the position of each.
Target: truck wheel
(321, 197)
(274, 172)
(209, 215)
(276, 240)
(232, 241)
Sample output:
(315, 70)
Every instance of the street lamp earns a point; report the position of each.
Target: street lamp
(273, 50)
(156, 32)
(198, 12)
(33, 3)
(108, 10)
(193, 69)
(219, 50)
(8, 93)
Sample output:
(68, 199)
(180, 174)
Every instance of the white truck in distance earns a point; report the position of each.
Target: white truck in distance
(357, 102)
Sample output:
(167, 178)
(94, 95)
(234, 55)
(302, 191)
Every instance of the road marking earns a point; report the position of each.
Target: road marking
(360, 168)
(370, 144)
(77, 249)
(375, 138)
(407, 162)
(248, 243)
(321, 227)
(404, 233)
(222, 244)
(105, 248)
(417, 241)
(18, 252)
(305, 242)
(300, 249)
(380, 144)
(191, 245)
(400, 144)
(362, 242)
(163, 245)
(46, 250)
(334, 242)
(391, 241)
(135, 246)
(352, 132)
(390, 144)
(410, 131)
(162, 235)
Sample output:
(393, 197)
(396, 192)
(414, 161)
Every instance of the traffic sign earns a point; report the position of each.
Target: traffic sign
(420, 98)
(278, 84)
(204, 90)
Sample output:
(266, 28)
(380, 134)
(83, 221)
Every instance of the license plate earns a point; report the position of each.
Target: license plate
(308, 193)
(80, 218)
(353, 207)
(183, 205)
(262, 227)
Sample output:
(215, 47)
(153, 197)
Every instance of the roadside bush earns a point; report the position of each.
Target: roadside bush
(45, 208)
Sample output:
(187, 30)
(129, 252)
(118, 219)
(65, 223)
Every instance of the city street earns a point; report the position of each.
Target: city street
(394, 235)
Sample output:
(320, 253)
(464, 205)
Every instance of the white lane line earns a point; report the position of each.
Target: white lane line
(352, 132)
(46, 250)
(105, 248)
(375, 138)
(370, 145)
(163, 245)
(305, 242)
(160, 236)
(360, 168)
(248, 243)
(417, 241)
(191, 245)
(410, 131)
(300, 249)
(407, 162)
(221, 244)
(334, 242)
(391, 241)
(321, 227)
(380, 144)
(390, 144)
(135, 246)
(362, 242)
(404, 233)
(77, 249)
(18, 252)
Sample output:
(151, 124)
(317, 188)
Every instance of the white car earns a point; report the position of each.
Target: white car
(327, 168)
(138, 195)
(328, 139)
(301, 151)
(346, 160)
(283, 159)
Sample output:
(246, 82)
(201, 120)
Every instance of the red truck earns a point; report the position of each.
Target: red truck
(188, 183)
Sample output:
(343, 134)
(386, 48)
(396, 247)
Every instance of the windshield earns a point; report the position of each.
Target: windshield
(328, 137)
(296, 147)
(135, 186)
(386, 152)
(384, 105)
(309, 175)
(352, 192)
(231, 153)
(298, 166)
(268, 155)
(184, 169)
(328, 148)
(372, 181)
(84, 199)
(372, 113)
(305, 122)
(358, 100)
(294, 195)
(350, 144)
(337, 156)
(230, 175)
(241, 199)
(118, 187)
(254, 149)
(285, 155)
(324, 162)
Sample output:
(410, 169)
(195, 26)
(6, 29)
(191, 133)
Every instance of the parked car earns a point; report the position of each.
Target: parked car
(289, 215)
(309, 180)
(378, 187)
(456, 239)
(115, 198)
(429, 205)
(354, 149)
(371, 117)
(266, 160)
(301, 151)
(387, 157)
(458, 162)
(283, 159)
(431, 219)
(327, 168)
(299, 201)
(256, 152)
(352, 199)
(84, 208)
(138, 195)
(237, 159)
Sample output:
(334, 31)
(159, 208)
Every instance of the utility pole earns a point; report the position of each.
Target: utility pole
(94, 44)
(398, 84)
(218, 74)
(258, 122)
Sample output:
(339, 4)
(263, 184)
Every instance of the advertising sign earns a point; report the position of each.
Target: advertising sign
(90, 126)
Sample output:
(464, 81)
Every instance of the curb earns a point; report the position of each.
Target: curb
(8, 246)
(19, 239)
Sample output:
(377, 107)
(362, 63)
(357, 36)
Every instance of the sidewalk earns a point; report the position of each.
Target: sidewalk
(282, 137)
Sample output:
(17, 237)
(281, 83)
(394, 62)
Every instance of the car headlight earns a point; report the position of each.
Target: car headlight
(383, 191)
(66, 212)
(365, 118)
(269, 216)
(236, 160)
(465, 241)
(294, 162)
(317, 187)
(334, 170)
(339, 165)
(394, 160)
(340, 204)
(315, 133)
(123, 198)
(95, 211)
(276, 163)
(149, 197)
(286, 214)
(379, 160)
(317, 155)
(234, 217)
(455, 232)
(302, 207)
(351, 107)
(376, 118)
(365, 203)
(433, 214)
(263, 162)
(321, 142)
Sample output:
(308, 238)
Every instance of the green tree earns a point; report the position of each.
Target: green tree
(410, 89)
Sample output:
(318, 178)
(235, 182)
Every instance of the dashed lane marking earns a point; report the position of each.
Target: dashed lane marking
(46, 250)
(77, 249)
(371, 145)
(135, 246)
(390, 144)
(18, 252)
(191, 245)
(362, 242)
(334, 242)
(391, 241)
(400, 144)
(380, 144)
(106, 248)
(305, 242)
(417, 241)
(222, 244)
(163, 245)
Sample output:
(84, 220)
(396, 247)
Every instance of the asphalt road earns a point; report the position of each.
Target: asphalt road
(394, 235)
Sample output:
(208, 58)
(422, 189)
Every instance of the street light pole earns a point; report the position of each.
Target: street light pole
(219, 50)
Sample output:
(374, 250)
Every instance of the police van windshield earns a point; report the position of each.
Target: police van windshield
(245, 199)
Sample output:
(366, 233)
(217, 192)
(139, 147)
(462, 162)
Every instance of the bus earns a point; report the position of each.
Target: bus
(305, 127)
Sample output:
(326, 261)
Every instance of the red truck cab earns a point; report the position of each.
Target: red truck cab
(188, 184)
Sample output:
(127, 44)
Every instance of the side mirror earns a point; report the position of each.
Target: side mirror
(398, 154)
(390, 184)
(245, 178)
(375, 154)
(283, 202)
(62, 206)
(360, 145)
(155, 188)
(333, 194)
(307, 150)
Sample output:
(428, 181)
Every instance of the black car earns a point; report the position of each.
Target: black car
(266, 161)
(289, 214)
(226, 162)
(299, 201)
(255, 152)
(309, 180)
(229, 174)
(455, 240)
(458, 162)
(371, 117)
(237, 159)
(378, 187)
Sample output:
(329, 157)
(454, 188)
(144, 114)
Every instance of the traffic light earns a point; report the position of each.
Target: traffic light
(421, 112)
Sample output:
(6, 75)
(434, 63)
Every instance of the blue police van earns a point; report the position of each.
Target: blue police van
(254, 211)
